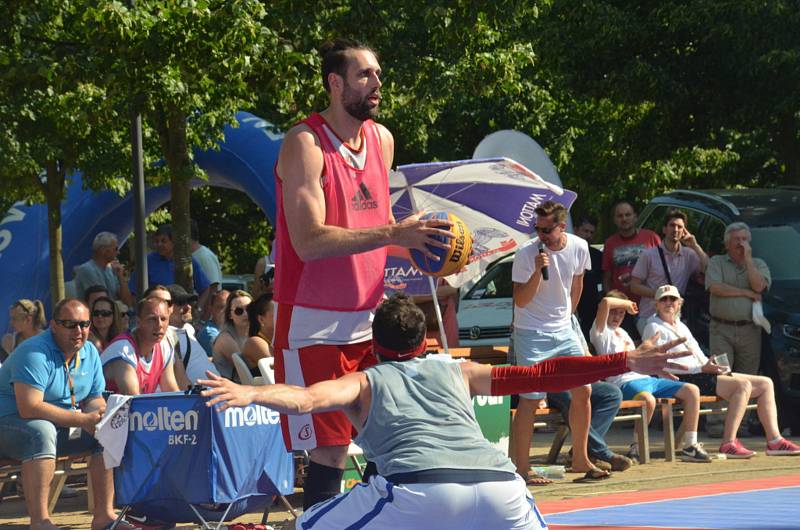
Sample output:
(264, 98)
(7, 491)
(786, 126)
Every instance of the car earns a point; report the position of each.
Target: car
(774, 219)
(485, 309)
(237, 282)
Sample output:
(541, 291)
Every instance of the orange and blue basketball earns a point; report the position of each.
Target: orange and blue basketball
(452, 259)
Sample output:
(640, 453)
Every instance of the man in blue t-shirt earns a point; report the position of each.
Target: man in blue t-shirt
(50, 401)
(161, 266)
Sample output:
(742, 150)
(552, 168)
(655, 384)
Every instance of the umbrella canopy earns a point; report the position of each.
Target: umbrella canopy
(495, 197)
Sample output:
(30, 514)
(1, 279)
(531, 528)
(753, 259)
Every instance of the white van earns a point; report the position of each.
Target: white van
(485, 309)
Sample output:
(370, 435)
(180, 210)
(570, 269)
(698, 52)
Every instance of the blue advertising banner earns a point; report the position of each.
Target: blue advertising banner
(180, 452)
(244, 161)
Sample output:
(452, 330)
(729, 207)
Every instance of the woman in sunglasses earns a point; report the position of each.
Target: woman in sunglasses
(105, 322)
(262, 326)
(234, 333)
(27, 319)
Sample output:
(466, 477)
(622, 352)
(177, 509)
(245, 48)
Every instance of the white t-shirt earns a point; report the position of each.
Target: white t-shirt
(696, 358)
(209, 262)
(123, 349)
(551, 307)
(198, 358)
(614, 341)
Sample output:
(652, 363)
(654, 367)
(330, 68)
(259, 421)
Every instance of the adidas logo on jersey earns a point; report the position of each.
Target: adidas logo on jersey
(363, 200)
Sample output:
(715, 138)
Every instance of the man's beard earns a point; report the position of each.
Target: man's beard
(359, 108)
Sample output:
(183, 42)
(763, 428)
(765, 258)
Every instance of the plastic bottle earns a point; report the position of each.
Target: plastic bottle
(551, 472)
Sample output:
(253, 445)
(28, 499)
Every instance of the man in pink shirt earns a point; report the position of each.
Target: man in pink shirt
(620, 253)
(682, 256)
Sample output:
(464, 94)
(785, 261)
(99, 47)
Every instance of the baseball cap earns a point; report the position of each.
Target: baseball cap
(666, 290)
(180, 296)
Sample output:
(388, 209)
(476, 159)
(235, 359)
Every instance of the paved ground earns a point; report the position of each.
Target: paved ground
(657, 475)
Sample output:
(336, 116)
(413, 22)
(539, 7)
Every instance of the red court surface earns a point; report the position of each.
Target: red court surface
(726, 505)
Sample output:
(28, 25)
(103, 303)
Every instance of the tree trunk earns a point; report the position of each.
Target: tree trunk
(788, 147)
(171, 126)
(54, 192)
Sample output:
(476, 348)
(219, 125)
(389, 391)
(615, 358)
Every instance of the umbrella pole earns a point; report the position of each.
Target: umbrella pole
(438, 311)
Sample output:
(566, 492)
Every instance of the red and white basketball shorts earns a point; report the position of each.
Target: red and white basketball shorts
(309, 365)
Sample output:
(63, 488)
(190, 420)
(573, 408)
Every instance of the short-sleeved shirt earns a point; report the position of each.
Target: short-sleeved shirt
(208, 335)
(125, 350)
(161, 271)
(209, 262)
(682, 265)
(39, 362)
(551, 307)
(614, 341)
(722, 269)
(696, 359)
(90, 273)
(620, 255)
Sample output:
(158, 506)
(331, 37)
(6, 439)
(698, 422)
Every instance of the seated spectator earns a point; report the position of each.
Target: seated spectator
(124, 315)
(211, 328)
(261, 314)
(49, 407)
(105, 322)
(234, 333)
(103, 269)
(27, 320)
(608, 337)
(191, 360)
(710, 377)
(93, 292)
(605, 401)
(141, 361)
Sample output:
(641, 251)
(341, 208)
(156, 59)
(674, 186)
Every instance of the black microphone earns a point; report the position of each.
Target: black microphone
(545, 273)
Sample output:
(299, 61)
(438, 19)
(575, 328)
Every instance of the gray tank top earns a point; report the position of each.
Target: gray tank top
(421, 418)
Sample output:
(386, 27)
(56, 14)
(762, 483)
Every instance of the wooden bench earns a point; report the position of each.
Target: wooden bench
(669, 412)
(630, 410)
(66, 466)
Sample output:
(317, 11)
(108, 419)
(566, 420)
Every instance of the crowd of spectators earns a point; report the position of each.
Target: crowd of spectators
(54, 372)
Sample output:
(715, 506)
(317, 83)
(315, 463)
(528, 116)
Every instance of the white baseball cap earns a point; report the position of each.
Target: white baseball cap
(668, 290)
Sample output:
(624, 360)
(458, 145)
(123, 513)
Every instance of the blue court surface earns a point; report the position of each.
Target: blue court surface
(771, 504)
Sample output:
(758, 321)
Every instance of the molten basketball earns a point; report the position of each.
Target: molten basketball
(451, 260)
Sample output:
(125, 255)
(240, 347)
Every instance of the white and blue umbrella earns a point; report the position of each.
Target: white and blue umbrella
(495, 197)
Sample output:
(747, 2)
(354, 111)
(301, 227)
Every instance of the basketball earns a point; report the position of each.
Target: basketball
(451, 260)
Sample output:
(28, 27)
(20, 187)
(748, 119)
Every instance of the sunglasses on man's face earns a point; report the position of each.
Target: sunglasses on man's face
(102, 313)
(72, 324)
(239, 311)
(545, 230)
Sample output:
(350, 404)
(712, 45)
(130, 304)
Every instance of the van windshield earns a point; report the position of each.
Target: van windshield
(779, 246)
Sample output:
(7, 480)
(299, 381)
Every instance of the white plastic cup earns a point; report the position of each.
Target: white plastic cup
(722, 360)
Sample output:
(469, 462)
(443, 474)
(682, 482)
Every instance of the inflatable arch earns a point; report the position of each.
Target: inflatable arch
(244, 162)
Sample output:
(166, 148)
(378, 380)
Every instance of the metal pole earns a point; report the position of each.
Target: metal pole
(138, 204)
(137, 194)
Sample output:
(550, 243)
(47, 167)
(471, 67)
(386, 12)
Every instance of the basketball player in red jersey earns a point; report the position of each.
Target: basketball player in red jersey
(334, 223)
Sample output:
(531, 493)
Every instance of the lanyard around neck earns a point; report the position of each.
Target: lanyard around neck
(70, 382)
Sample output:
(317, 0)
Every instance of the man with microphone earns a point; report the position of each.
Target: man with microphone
(548, 280)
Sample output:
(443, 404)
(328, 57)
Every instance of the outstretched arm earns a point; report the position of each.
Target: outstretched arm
(563, 373)
(338, 394)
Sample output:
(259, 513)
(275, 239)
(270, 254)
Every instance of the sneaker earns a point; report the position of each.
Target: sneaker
(735, 450)
(145, 522)
(633, 452)
(783, 447)
(694, 453)
(620, 462)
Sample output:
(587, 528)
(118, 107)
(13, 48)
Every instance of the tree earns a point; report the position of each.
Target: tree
(185, 66)
(675, 94)
(53, 122)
